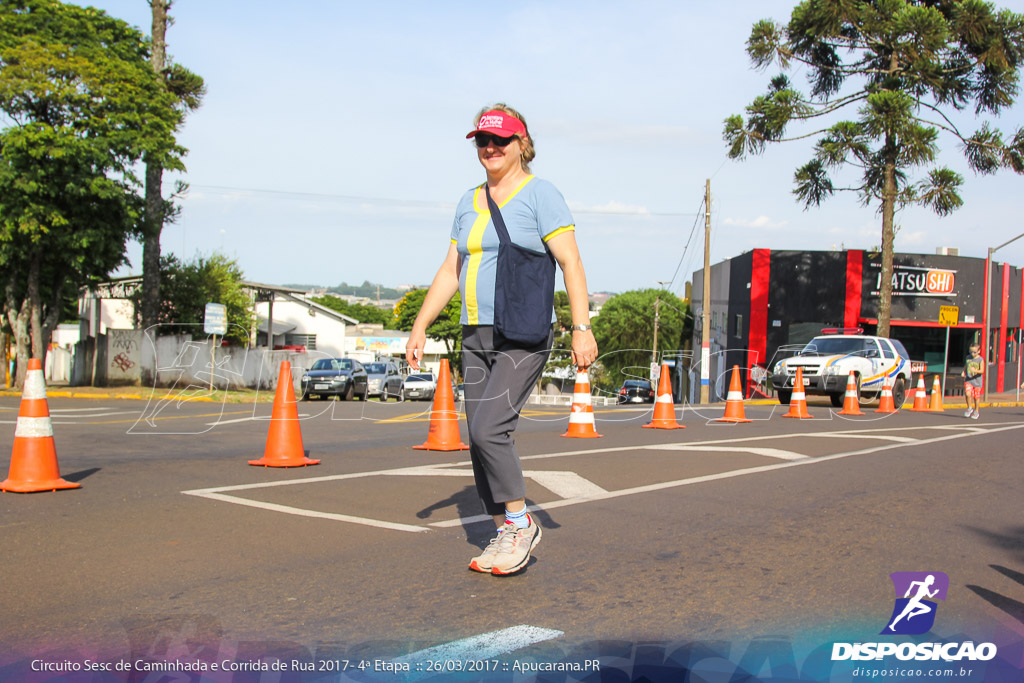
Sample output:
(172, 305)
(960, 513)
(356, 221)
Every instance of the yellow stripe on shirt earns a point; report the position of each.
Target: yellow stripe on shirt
(474, 245)
(559, 231)
(476, 253)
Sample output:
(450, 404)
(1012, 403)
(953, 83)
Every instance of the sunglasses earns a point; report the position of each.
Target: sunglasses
(485, 139)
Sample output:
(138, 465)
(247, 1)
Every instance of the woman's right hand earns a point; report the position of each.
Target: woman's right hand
(414, 348)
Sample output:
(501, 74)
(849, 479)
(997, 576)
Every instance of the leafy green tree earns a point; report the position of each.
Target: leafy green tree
(906, 66)
(368, 289)
(188, 287)
(84, 107)
(624, 331)
(188, 90)
(445, 328)
(364, 313)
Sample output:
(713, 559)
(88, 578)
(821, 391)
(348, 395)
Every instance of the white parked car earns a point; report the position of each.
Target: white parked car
(419, 386)
(828, 360)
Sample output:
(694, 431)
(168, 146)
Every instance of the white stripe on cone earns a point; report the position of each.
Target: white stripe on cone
(734, 396)
(666, 398)
(33, 427)
(581, 418)
(581, 398)
(35, 386)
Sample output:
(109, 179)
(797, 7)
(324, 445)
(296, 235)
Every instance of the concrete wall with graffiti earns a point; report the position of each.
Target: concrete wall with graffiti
(180, 361)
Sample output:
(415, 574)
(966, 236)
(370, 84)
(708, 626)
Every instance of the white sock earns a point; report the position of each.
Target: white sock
(520, 519)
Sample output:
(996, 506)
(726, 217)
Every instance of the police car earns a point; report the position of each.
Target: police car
(828, 360)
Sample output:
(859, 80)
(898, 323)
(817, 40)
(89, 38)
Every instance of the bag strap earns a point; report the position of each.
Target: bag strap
(499, 222)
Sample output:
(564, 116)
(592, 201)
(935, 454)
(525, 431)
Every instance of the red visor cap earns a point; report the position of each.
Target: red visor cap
(498, 123)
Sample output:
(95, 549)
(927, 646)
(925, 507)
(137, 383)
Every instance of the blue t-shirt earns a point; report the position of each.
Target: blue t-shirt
(534, 213)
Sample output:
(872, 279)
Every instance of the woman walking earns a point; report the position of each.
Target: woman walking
(500, 372)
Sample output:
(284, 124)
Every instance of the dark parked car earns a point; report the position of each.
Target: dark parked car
(636, 391)
(342, 377)
(384, 379)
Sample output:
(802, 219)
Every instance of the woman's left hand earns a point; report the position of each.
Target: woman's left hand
(584, 348)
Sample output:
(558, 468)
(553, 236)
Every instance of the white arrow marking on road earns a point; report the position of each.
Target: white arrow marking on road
(476, 648)
(562, 484)
(565, 484)
(845, 435)
(766, 452)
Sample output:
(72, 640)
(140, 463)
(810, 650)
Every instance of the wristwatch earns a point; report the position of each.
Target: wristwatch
(581, 328)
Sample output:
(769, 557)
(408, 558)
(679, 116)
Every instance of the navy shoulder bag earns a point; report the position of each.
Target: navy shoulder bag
(524, 287)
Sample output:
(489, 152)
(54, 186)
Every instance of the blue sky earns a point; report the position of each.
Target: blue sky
(330, 146)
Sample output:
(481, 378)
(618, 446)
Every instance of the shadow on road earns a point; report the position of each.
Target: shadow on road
(81, 474)
(467, 504)
(1009, 606)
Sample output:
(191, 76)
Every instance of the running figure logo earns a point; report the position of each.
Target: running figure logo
(914, 611)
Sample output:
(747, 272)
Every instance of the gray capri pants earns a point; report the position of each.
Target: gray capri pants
(498, 377)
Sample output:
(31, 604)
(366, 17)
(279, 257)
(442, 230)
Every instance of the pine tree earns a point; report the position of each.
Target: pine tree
(905, 67)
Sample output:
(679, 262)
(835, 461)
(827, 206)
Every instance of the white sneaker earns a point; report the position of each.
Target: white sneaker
(484, 562)
(514, 548)
(968, 413)
(975, 415)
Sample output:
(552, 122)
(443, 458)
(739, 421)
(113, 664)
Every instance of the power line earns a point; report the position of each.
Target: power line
(416, 202)
(687, 246)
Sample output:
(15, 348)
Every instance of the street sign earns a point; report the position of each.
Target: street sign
(216, 319)
(949, 315)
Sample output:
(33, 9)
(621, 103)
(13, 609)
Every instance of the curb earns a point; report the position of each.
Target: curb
(115, 396)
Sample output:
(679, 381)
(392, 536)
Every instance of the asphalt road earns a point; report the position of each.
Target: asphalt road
(715, 536)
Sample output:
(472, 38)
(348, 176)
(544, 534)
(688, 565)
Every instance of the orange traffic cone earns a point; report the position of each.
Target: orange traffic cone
(885, 401)
(284, 438)
(935, 404)
(664, 406)
(443, 434)
(34, 458)
(920, 397)
(851, 404)
(798, 400)
(734, 401)
(581, 419)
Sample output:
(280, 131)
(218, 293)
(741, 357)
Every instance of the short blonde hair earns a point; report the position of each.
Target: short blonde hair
(529, 153)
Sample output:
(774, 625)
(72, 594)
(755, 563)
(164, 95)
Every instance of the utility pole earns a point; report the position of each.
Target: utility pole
(705, 331)
(654, 347)
(657, 318)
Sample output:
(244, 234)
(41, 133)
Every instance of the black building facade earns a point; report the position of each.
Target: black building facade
(766, 304)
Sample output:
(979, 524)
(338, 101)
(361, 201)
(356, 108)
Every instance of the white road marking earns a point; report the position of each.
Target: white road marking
(447, 469)
(475, 648)
(766, 452)
(58, 413)
(847, 435)
(227, 422)
(308, 513)
(567, 485)
(563, 484)
(76, 419)
(720, 476)
(251, 418)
